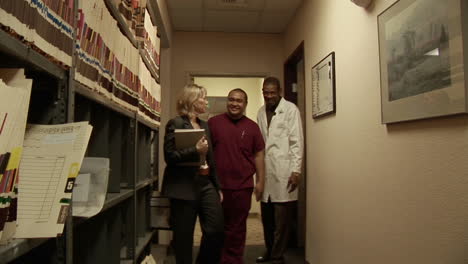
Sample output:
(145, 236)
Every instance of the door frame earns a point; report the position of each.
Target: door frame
(290, 77)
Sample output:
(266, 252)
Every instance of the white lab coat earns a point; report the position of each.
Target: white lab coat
(284, 147)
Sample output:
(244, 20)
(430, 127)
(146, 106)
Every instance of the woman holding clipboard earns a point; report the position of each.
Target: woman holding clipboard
(191, 183)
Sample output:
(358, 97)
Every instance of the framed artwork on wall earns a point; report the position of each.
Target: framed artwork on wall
(323, 87)
(216, 106)
(422, 59)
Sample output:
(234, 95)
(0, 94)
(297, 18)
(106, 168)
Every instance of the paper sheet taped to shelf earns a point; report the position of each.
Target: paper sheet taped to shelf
(90, 191)
(48, 172)
(15, 92)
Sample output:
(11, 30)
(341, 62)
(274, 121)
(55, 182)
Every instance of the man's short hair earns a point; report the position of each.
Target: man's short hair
(240, 91)
(273, 81)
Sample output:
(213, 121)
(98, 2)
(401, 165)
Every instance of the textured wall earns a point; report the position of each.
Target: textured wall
(376, 193)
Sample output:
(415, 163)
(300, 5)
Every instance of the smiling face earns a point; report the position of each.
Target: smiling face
(271, 95)
(236, 104)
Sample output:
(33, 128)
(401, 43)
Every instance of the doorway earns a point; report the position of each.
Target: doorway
(294, 91)
(219, 87)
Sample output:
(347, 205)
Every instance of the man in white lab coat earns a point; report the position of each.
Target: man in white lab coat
(280, 123)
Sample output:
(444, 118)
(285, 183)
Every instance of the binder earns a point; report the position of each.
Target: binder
(186, 138)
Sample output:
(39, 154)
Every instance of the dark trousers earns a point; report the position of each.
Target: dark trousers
(183, 218)
(236, 206)
(276, 219)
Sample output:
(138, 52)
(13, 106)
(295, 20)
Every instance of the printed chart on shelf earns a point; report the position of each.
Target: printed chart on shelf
(40, 182)
(52, 156)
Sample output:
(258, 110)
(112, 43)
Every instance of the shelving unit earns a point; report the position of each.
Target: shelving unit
(121, 232)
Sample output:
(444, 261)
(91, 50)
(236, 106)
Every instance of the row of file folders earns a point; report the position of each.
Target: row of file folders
(40, 165)
(122, 68)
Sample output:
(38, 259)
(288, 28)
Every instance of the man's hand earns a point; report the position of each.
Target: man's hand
(293, 181)
(258, 190)
(221, 197)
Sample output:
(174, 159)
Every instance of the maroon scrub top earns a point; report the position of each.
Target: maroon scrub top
(235, 143)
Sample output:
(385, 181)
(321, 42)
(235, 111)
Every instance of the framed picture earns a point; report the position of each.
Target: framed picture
(323, 86)
(422, 71)
(216, 106)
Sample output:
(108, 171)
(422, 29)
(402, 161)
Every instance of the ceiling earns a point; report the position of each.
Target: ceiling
(260, 16)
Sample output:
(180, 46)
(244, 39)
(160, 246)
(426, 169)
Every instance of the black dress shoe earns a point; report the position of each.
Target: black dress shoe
(262, 259)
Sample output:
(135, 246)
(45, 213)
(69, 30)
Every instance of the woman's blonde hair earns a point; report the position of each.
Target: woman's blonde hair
(191, 93)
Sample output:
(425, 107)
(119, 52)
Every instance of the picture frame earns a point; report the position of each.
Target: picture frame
(216, 106)
(323, 87)
(422, 59)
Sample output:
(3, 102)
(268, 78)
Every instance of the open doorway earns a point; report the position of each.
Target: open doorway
(294, 91)
(219, 87)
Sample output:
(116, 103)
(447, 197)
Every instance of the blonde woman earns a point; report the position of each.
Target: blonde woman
(192, 187)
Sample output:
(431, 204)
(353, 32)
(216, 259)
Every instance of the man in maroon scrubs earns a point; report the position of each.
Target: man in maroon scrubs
(239, 152)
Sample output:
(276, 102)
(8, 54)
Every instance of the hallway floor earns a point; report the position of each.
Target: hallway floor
(254, 245)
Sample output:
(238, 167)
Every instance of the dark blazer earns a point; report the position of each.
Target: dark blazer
(179, 181)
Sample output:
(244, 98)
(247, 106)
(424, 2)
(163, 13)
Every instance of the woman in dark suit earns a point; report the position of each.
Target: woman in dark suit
(192, 187)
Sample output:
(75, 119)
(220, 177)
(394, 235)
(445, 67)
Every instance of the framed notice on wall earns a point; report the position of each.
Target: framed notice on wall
(422, 59)
(323, 86)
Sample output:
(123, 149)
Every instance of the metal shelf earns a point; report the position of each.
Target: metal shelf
(18, 49)
(123, 259)
(121, 22)
(143, 242)
(18, 247)
(123, 203)
(113, 199)
(148, 124)
(144, 183)
(88, 93)
(149, 65)
(150, 6)
(155, 14)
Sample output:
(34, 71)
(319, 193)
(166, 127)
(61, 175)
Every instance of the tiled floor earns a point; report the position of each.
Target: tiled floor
(254, 245)
(254, 231)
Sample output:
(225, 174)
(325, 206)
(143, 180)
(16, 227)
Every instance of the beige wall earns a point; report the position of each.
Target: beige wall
(376, 193)
(165, 25)
(204, 53)
(222, 85)
(166, 58)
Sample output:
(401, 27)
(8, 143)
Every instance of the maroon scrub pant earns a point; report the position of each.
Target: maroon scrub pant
(236, 207)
